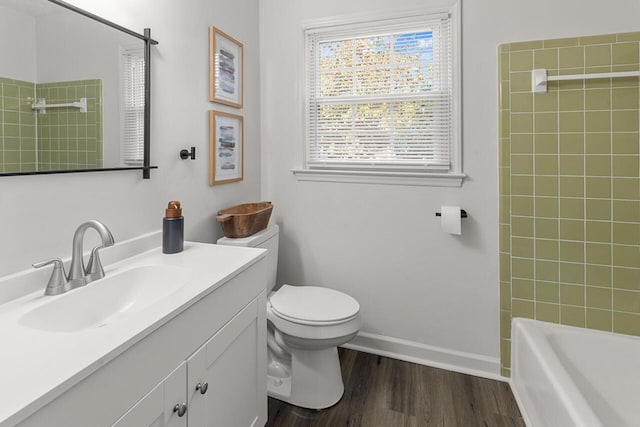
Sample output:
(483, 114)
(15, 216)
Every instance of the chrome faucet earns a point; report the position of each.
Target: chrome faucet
(79, 275)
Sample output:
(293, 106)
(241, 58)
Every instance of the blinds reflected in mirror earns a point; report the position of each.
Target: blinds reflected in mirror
(133, 106)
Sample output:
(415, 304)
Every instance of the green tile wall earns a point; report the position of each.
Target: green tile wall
(63, 138)
(569, 169)
(17, 126)
(67, 138)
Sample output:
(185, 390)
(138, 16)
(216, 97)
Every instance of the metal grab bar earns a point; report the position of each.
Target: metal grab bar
(539, 77)
(41, 106)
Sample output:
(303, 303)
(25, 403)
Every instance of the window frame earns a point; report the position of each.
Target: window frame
(451, 178)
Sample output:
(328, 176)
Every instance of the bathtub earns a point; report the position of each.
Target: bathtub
(564, 376)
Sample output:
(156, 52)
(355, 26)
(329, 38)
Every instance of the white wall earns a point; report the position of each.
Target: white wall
(17, 46)
(382, 244)
(38, 214)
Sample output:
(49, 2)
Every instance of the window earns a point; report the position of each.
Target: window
(381, 98)
(133, 106)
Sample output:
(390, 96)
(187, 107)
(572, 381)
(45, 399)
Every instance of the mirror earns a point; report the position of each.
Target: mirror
(72, 91)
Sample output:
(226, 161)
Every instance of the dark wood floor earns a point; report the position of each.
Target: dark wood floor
(384, 392)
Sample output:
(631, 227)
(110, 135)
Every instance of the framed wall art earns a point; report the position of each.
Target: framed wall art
(226, 147)
(226, 69)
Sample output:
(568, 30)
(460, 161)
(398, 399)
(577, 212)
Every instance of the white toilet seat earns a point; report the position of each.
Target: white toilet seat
(318, 325)
(309, 322)
(314, 332)
(313, 305)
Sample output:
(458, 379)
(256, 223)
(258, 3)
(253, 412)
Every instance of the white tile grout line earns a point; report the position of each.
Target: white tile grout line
(612, 174)
(20, 128)
(37, 151)
(3, 137)
(535, 249)
(586, 242)
(508, 65)
(584, 107)
(582, 306)
(637, 89)
(507, 364)
(558, 192)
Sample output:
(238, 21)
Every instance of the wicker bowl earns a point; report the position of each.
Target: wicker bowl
(244, 220)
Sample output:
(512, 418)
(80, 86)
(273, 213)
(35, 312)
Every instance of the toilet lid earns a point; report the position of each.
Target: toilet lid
(313, 303)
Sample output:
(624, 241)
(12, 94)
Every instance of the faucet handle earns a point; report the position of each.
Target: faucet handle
(40, 264)
(94, 270)
(58, 281)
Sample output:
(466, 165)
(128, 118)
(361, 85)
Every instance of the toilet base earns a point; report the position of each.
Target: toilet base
(279, 388)
(315, 381)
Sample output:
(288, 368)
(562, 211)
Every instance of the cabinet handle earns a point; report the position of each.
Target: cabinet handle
(180, 408)
(202, 387)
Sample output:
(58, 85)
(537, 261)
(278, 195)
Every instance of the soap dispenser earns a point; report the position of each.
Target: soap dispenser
(173, 229)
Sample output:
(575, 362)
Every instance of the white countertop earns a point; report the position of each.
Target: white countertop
(37, 366)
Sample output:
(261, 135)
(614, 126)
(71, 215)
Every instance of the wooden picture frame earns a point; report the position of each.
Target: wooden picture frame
(226, 69)
(226, 147)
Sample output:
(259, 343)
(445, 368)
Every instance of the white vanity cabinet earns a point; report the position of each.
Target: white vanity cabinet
(164, 406)
(220, 339)
(221, 384)
(226, 382)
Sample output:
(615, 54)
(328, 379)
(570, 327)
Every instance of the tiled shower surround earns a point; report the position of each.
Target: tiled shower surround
(570, 186)
(67, 138)
(17, 126)
(63, 138)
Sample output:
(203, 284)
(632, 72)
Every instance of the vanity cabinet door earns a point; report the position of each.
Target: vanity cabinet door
(156, 409)
(226, 383)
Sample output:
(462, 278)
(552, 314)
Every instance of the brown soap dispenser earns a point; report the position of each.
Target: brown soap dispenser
(173, 229)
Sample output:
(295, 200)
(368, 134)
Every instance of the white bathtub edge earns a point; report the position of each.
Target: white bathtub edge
(574, 408)
(422, 354)
(520, 403)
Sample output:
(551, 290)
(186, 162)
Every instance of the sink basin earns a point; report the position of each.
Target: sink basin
(106, 300)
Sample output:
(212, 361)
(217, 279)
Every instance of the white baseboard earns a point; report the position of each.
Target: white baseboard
(437, 357)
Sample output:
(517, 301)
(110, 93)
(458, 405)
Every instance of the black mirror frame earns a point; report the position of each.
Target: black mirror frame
(148, 41)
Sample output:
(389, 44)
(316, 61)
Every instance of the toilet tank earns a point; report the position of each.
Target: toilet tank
(265, 239)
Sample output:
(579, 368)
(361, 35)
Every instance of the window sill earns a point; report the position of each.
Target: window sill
(385, 178)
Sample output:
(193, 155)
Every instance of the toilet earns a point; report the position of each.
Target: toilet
(305, 326)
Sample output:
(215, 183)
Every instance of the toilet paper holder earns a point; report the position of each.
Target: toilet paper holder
(463, 213)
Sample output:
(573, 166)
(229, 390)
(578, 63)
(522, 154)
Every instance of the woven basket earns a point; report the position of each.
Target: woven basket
(244, 220)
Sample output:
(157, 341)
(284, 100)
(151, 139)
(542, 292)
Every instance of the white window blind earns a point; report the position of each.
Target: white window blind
(380, 95)
(133, 106)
